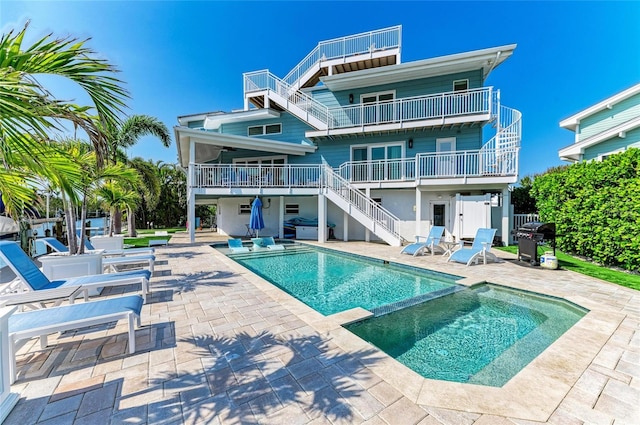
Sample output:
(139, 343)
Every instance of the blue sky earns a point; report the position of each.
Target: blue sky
(180, 58)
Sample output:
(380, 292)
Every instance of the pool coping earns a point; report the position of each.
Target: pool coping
(534, 393)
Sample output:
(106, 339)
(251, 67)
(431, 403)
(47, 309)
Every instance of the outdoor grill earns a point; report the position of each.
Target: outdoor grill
(530, 235)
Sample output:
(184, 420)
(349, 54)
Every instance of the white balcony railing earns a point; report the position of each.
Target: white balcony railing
(358, 44)
(239, 176)
(477, 163)
(440, 105)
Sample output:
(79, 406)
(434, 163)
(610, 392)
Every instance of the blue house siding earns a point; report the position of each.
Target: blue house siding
(337, 152)
(612, 145)
(293, 129)
(420, 87)
(609, 118)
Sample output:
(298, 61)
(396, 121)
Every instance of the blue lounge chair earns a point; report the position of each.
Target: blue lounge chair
(479, 249)
(268, 243)
(430, 243)
(31, 276)
(41, 323)
(235, 246)
(112, 262)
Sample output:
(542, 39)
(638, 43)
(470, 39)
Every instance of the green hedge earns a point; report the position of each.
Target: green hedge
(596, 208)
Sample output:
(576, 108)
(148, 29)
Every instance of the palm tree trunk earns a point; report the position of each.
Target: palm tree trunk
(131, 223)
(117, 221)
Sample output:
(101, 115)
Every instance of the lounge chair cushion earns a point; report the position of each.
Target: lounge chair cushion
(32, 277)
(69, 317)
(235, 246)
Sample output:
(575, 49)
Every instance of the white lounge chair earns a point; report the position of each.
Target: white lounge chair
(235, 246)
(110, 262)
(120, 252)
(33, 279)
(268, 243)
(41, 323)
(479, 249)
(430, 243)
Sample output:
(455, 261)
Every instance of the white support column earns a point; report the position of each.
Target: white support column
(419, 230)
(322, 218)
(367, 232)
(246, 103)
(267, 101)
(191, 196)
(506, 216)
(281, 217)
(345, 226)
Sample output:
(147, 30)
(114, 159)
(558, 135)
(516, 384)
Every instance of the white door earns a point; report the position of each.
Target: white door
(446, 159)
(472, 213)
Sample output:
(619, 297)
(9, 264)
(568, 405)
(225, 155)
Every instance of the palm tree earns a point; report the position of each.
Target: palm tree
(28, 111)
(149, 188)
(126, 135)
(90, 179)
(115, 197)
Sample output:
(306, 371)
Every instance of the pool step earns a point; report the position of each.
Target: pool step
(390, 308)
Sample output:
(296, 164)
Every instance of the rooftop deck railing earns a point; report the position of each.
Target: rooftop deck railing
(342, 47)
(435, 106)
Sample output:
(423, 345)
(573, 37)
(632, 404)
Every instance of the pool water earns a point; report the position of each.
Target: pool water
(331, 282)
(483, 335)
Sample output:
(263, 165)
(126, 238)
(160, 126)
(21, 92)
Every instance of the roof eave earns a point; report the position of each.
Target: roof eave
(572, 122)
(487, 59)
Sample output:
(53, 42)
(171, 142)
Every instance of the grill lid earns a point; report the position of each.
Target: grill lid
(538, 227)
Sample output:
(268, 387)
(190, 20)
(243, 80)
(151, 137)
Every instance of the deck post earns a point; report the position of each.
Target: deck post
(345, 226)
(418, 209)
(281, 217)
(322, 218)
(191, 197)
(506, 216)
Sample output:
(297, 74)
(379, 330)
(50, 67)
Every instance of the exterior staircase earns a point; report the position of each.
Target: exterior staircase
(356, 52)
(361, 207)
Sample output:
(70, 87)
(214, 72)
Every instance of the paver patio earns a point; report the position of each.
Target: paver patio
(220, 346)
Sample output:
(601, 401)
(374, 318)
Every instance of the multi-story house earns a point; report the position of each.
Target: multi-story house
(353, 137)
(607, 127)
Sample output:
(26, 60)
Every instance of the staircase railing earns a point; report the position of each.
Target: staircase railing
(265, 80)
(367, 42)
(500, 154)
(367, 206)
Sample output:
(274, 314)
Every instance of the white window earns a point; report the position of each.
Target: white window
(259, 130)
(460, 85)
(244, 209)
(378, 97)
(261, 160)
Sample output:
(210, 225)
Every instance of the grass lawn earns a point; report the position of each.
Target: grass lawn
(571, 263)
(145, 235)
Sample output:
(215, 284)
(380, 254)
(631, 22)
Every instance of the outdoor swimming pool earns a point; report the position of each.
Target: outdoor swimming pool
(331, 282)
(483, 335)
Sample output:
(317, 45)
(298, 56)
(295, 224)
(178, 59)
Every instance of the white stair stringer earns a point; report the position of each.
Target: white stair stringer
(362, 208)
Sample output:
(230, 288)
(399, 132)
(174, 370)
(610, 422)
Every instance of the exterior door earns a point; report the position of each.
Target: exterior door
(446, 159)
(385, 162)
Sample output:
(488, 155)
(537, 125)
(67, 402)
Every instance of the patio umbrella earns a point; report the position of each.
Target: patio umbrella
(255, 220)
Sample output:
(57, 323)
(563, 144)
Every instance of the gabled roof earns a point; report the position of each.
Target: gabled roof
(485, 59)
(211, 144)
(572, 122)
(574, 151)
